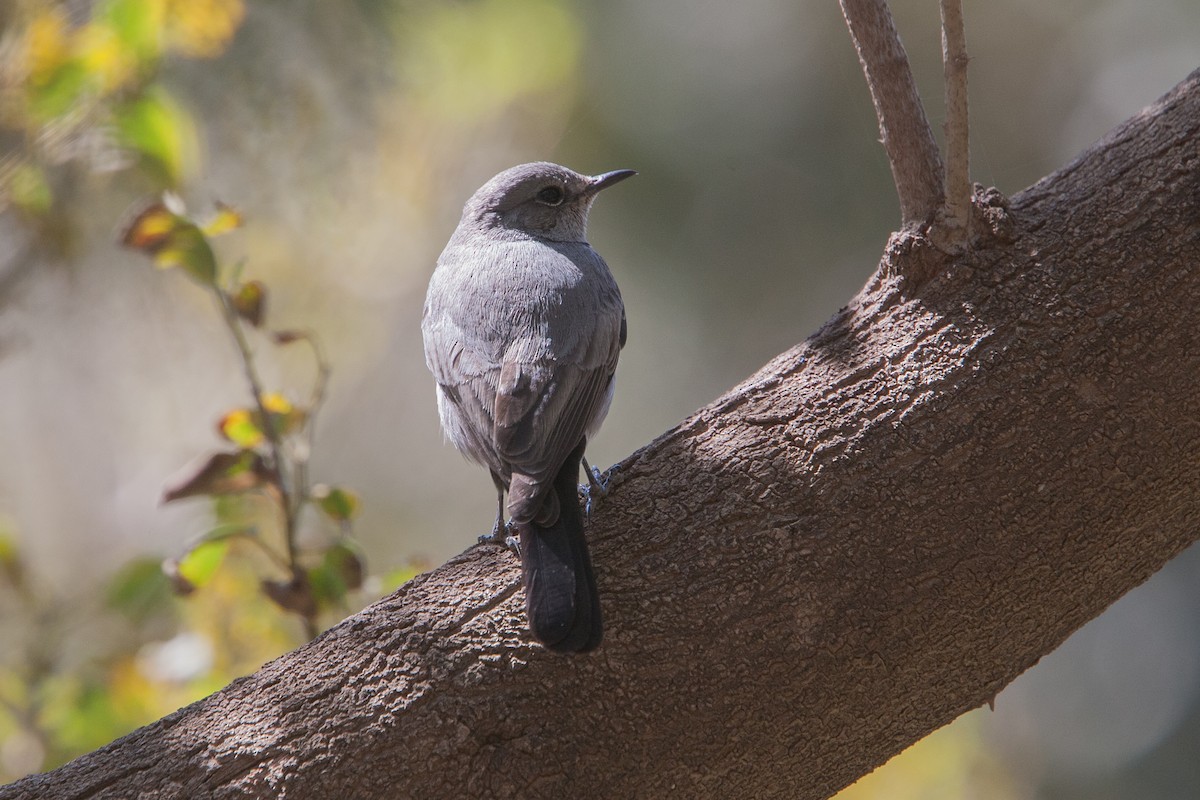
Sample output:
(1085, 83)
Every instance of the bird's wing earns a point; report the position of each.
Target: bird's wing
(553, 382)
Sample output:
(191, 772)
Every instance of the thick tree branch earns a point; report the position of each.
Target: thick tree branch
(903, 127)
(874, 534)
(956, 219)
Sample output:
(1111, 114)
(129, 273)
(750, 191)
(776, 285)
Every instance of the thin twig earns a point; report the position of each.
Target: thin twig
(912, 151)
(256, 387)
(320, 384)
(290, 498)
(957, 217)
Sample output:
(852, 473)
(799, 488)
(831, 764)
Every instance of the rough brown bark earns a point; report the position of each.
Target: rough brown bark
(872, 535)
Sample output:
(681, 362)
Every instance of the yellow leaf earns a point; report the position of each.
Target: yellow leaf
(276, 403)
(46, 45)
(150, 228)
(203, 28)
(100, 50)
(285, 418)
(226, 219)
(240, 427)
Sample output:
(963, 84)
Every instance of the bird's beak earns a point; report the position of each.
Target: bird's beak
(607, 179)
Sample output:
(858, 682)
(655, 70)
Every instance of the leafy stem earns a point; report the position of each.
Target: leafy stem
(274, 440)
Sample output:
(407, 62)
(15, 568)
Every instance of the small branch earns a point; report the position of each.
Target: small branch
(912, 151)
(290, 497)
(256, 388)
(957, 216)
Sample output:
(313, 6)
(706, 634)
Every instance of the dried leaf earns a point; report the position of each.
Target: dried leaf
(222, 473)
(179, 584)
(150, 228)
(295, 595)
(172, 240)
(250, 302)
(287, 337)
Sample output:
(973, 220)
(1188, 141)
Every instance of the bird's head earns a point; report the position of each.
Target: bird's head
(540, 199)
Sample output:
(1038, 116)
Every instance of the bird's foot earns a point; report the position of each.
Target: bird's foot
(502, 535)
(596, 488)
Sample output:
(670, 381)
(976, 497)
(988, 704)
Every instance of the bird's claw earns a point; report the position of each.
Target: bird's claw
(502, 536)
(596, 489)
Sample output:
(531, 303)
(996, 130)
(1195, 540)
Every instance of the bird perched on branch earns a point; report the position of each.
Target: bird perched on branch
(523, 324)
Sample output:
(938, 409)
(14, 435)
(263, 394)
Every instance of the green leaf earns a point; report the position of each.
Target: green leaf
(140, 590)
(137, 25)
(328, 588)
(29, 189)
(340, 505)
(188, 249)
(345, 559)
(12, 568)
(59, 92)
(158, 129)
(198, 565)
(228, 530)
(340, 571)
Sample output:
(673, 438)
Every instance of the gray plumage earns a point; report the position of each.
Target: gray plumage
(523, 325)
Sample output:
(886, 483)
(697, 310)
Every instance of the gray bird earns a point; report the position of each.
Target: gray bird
(523, 324)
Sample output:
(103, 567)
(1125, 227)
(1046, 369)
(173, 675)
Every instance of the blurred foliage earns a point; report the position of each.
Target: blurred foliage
(470, 60)
(63, 694)
(953, 762)
(82, 93)
(85, 91)
(273, 441)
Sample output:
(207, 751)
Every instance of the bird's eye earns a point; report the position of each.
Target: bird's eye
(550, 196)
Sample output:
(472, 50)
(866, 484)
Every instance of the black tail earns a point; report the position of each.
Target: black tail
(560, 588)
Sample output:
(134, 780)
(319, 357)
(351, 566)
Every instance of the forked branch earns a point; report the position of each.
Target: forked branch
(903, 127)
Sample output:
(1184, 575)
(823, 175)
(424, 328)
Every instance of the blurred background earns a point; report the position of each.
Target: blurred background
(349, 134)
